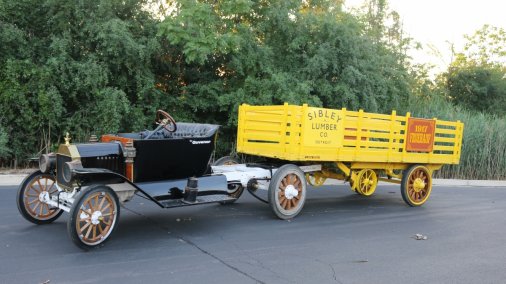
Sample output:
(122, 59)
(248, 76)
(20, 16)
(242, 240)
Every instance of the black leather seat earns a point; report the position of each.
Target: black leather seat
(184, 130)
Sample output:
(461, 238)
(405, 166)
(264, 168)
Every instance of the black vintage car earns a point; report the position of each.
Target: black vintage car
(89, 181)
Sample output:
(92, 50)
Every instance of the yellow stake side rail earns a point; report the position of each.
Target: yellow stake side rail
(352, 140)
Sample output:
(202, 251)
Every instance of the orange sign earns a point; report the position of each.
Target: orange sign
(420, 136)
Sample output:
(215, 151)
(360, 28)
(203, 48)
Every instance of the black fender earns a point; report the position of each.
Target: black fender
(88, 176)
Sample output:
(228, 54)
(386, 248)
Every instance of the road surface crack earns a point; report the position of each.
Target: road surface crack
(334, 275)
(166, 229)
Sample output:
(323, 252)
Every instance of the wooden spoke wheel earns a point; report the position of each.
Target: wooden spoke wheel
(31, 194)
(416, 185)
(93, 216)
(287, 191)
(234, 190)
(225, 161)
(367, 182)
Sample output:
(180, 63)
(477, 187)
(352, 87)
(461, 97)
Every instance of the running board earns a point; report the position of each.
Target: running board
(206, 199)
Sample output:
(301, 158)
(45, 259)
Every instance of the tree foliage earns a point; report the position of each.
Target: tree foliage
(481, 88)
(78, 66)
(106, 65)
(261, 52)
(476, 78)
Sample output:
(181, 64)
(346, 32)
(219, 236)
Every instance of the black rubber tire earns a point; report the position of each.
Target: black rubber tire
(404, 185)
(236, 189)
(225, 160)
(274, 185)
(21, 204)
(74, 211)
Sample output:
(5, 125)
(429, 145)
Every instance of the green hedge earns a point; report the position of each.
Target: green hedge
(484, 143)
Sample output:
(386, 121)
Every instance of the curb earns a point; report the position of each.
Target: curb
(445, 183)
(14, 180)
(8, 180)
(463, 182)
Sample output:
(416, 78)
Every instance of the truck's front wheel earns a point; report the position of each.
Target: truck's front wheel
(287, 191)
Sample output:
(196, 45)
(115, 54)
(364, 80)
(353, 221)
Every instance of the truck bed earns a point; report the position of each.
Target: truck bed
(303, 133)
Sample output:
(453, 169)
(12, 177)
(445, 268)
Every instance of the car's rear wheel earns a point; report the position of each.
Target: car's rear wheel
(31, 192)
(93, 217)
(234, 190)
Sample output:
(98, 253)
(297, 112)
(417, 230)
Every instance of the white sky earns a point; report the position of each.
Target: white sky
(438, 23)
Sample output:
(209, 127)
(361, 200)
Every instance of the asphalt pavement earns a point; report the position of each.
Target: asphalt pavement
(340, 237)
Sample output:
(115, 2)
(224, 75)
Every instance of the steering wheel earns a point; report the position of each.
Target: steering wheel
(165, 120)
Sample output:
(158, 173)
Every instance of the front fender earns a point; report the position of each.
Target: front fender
(89, 176)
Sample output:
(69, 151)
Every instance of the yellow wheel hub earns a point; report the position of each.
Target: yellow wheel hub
(418, 185)
(368, 182)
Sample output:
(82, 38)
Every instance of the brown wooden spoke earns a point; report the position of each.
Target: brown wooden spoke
(422, 175)
(33, 205)
(284, 204)
(294, 180)
(34, 189)
(85, 227)
(281, 197)
(100, 230)
(88, 232)
(51, 189)
(95, 231)
(297, 184)
(91, 233)
(101, 204)
(283, 184)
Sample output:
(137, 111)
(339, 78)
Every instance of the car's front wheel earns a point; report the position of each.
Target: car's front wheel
(31, 193)
(93, 216)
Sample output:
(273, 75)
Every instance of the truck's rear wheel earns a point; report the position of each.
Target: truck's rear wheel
(287, 191)
(93, 217)
(416, 185)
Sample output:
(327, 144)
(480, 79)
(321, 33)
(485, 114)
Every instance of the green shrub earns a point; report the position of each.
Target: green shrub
(484, 143)
(4, 150)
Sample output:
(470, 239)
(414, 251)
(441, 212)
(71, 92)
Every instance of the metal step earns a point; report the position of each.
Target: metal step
(206, 199)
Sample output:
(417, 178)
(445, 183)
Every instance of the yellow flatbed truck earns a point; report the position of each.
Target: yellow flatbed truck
(360, 147)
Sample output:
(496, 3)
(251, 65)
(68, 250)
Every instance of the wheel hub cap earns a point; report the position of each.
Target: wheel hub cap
(418, 185)
(42, 195)
(96, 217)
(291, 192)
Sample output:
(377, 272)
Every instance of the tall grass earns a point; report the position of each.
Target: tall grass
(484, 143)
